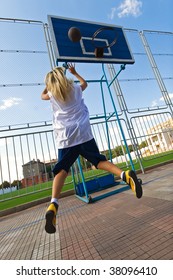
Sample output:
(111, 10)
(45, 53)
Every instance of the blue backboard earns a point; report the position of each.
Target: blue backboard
(84, 51)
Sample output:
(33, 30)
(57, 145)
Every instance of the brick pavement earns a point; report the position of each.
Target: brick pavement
(117, 227)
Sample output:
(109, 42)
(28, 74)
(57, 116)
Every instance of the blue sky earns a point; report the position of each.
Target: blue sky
(137, 14)
(140, 14)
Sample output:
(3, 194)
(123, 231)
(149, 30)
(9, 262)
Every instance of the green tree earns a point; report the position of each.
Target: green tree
(118, 151)
(5, 184)
(17, 183)
(130, 148)
(143, 144)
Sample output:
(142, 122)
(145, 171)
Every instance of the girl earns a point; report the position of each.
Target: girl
(74, 136)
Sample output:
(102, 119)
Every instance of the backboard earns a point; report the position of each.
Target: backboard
(84, 51)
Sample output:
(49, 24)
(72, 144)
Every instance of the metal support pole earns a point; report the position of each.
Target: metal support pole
(83, 182)
(106, 119)
(124, 109)
(116, 113)
(49, 46)
(156, 72)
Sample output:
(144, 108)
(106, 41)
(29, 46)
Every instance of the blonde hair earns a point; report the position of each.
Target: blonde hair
(58, 84)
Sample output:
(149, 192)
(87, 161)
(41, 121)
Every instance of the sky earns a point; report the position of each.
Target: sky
(22, 104)
(140, 14)
(131, 14)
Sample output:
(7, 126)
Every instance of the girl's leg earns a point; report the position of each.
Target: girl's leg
(58, 183)
(66, 157)
(51, 212)
(110, 167)
(128, 176)
(90, 151)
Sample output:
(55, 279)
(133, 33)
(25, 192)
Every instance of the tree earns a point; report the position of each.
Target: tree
(16, 183)
(5, 185)
(118, 151)
(143, 144)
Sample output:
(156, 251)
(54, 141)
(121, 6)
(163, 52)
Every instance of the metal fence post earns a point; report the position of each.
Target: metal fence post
(156, 72)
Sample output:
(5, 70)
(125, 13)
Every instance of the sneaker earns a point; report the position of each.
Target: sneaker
(131, 179)
(51, 212)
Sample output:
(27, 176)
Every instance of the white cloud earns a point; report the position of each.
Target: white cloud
(112, 14)
(130, 7)
(170, 95)
(154, 103)
(7, 103)
(127, 8)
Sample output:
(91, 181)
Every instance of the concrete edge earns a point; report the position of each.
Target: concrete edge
(32, 204)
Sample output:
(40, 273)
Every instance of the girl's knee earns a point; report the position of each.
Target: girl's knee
(63, 173)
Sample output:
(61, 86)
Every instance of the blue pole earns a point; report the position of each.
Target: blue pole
(107, 129)
(83, 180)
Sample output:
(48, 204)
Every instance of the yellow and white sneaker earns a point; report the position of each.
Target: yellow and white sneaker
(131, 179)
(50, 216)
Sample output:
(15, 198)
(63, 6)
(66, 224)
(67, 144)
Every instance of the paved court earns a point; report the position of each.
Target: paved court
(117, 227)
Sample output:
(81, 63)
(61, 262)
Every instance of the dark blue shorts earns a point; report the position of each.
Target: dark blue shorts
(67, 156)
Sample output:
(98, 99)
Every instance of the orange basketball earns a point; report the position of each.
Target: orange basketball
(74, 34)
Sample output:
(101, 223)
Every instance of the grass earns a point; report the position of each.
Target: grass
(43, 190)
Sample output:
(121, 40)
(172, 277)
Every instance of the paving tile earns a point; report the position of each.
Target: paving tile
(116, 227)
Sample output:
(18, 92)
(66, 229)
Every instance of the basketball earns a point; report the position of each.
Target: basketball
(74, 34)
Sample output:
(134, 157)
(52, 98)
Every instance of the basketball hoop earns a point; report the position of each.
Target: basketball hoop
(99, 51)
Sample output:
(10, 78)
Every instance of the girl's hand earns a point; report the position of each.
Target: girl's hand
(83, 83)
(71, 68)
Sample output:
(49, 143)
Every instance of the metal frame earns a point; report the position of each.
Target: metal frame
(155, 69)
(87, 197)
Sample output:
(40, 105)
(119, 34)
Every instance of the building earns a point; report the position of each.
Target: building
(33, 168)
(160, 138)
(36, 172)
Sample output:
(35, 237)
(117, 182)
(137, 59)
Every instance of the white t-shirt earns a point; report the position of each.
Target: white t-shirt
(71, 120)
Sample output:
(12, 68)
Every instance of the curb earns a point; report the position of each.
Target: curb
(32, 204)
(63, 194)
